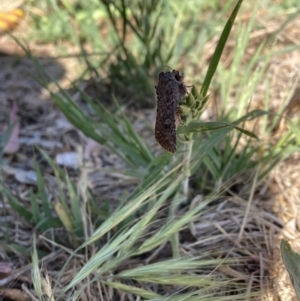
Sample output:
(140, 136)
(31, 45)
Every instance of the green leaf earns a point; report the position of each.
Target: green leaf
(251, 115)
(291, 261)
(219, 49)
(295, 129)
(34, 207)
(211, 126)
(17, 206)
(248, 133)
(201, 127)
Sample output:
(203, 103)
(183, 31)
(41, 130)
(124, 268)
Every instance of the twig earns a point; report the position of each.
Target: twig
(28, 292)
(22, 270)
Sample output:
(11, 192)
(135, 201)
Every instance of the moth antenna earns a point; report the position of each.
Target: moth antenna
(168, 67)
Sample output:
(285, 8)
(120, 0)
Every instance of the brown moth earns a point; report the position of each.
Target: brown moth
(169, 91)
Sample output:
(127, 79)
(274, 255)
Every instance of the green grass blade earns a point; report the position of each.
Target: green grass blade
(36, 215)
(291, 260)
(219, 49)
(18, 206)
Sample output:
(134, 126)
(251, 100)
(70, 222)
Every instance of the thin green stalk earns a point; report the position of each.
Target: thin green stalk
(249, 204)
(174, 240)
(186, 168)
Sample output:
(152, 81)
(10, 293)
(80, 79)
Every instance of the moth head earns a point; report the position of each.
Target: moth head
(179, 76)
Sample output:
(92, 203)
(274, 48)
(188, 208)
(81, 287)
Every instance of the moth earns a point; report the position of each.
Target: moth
(170, 90)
